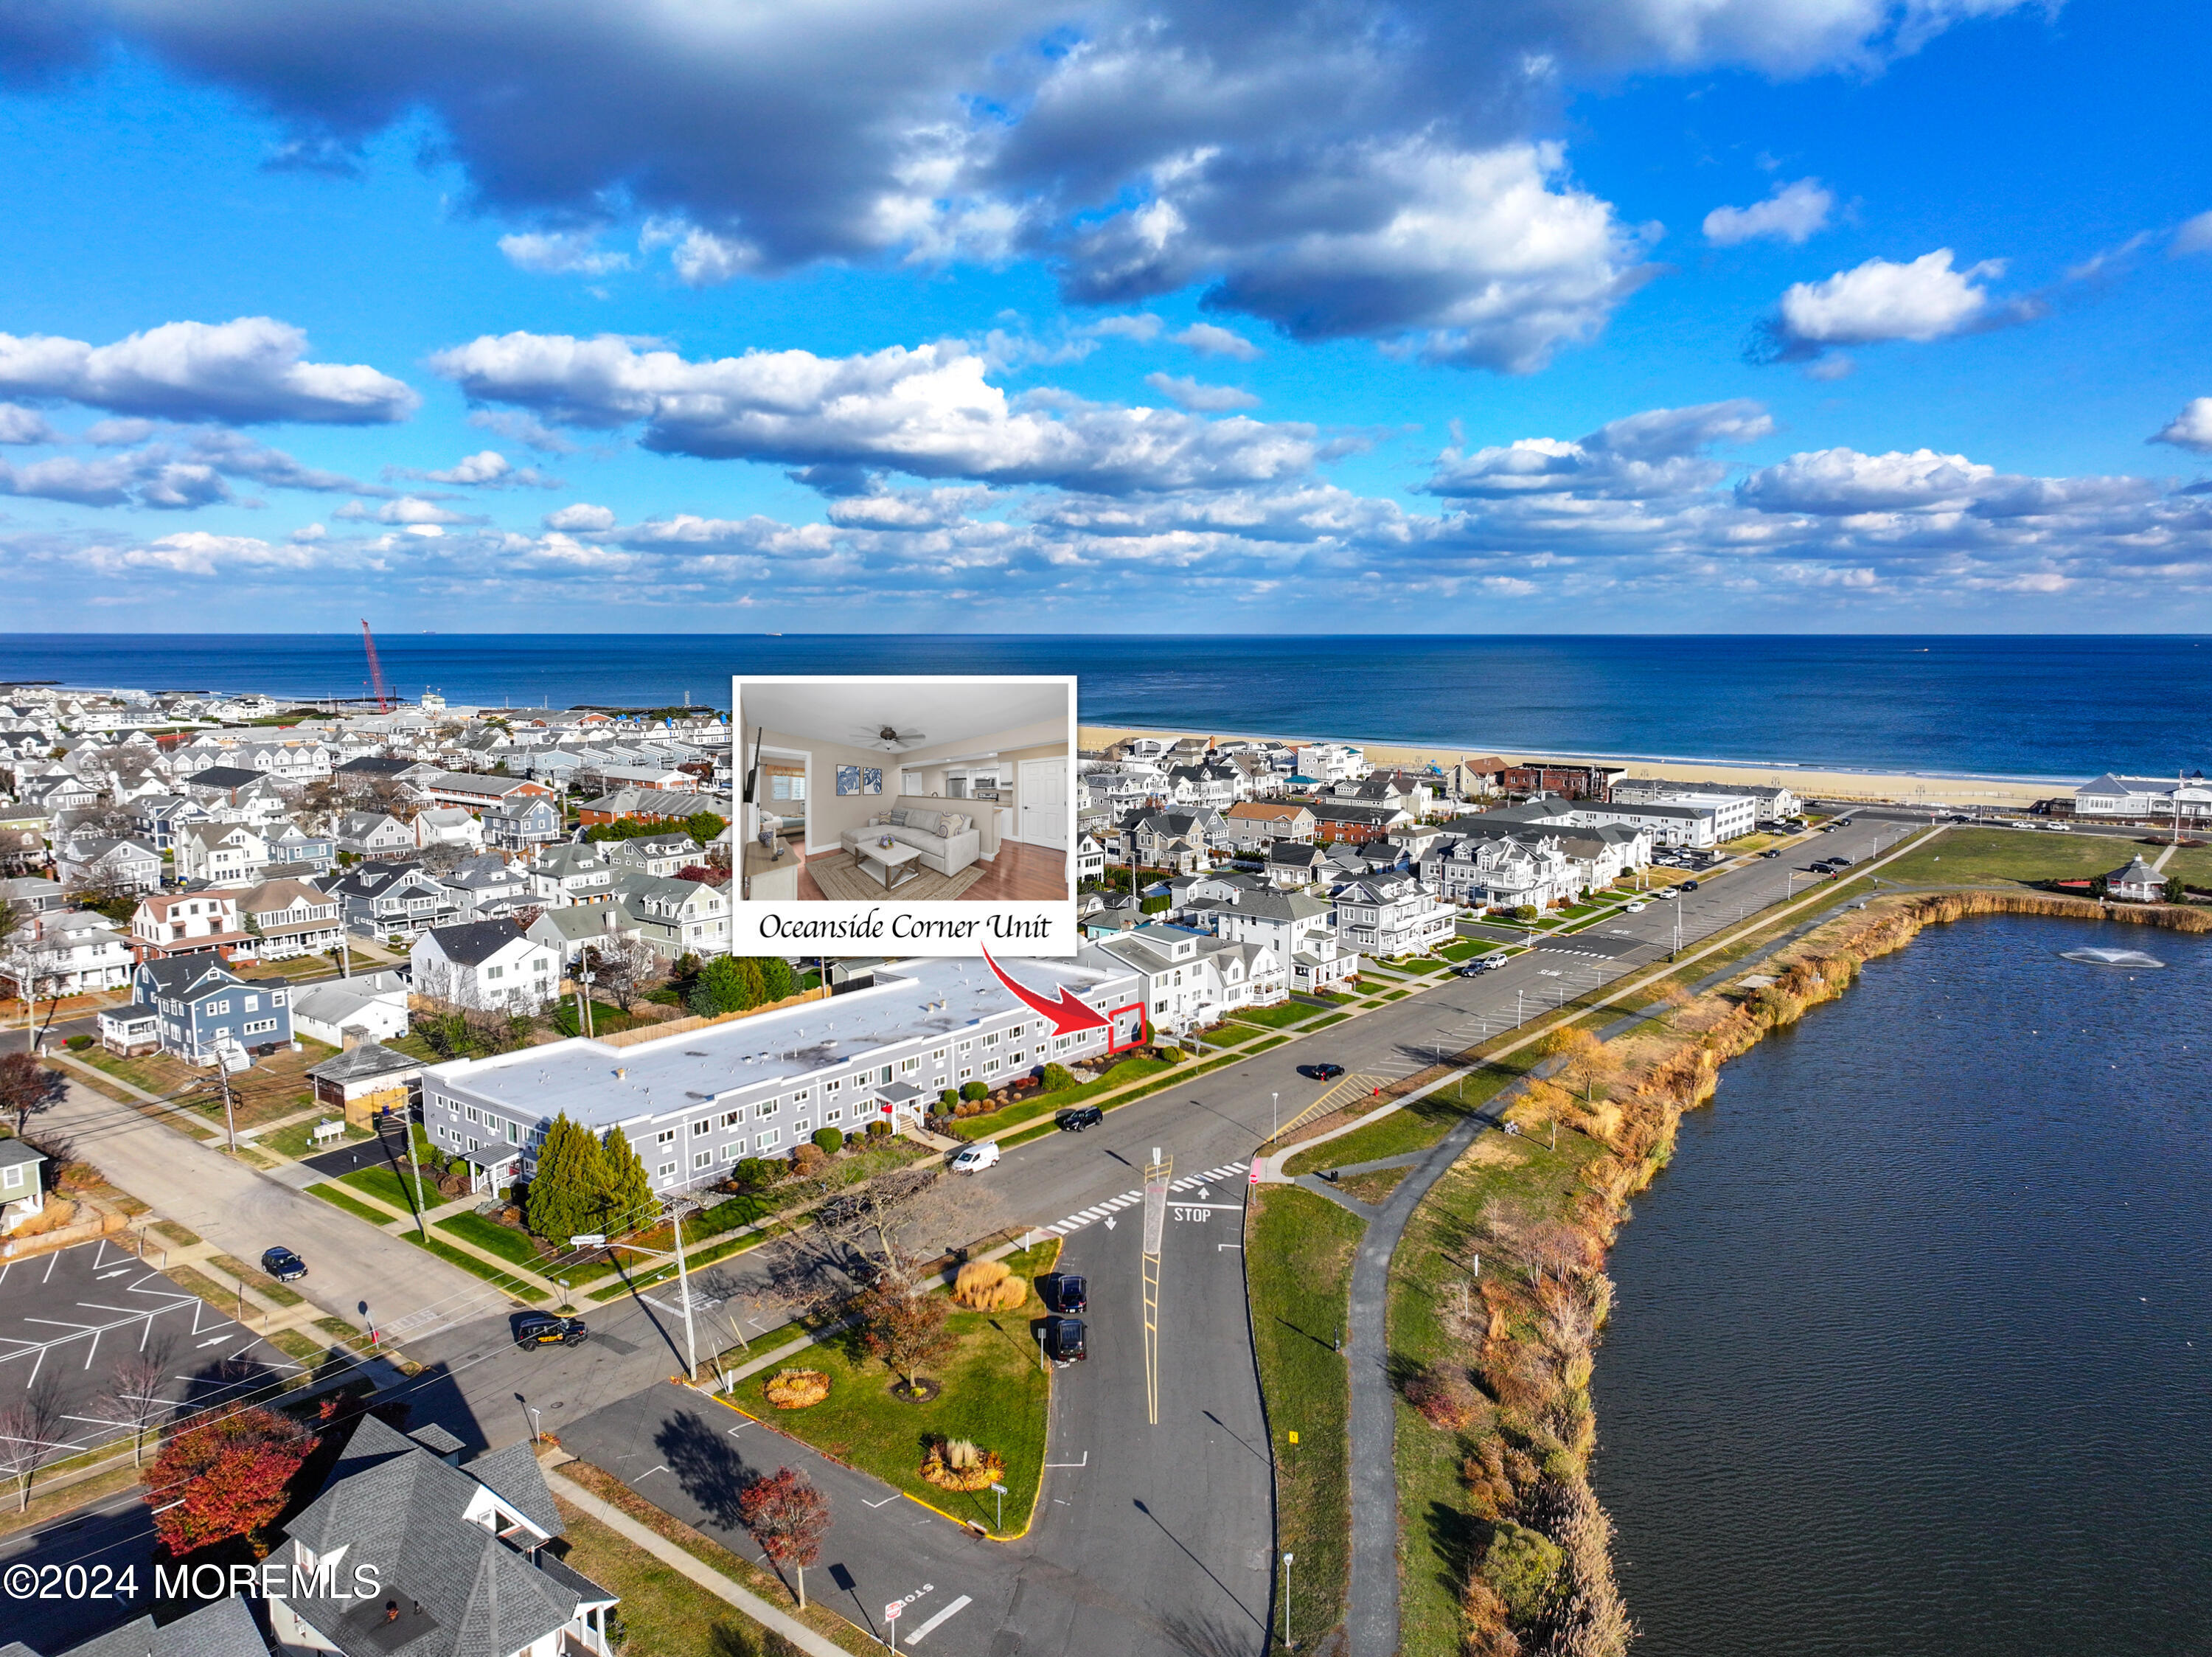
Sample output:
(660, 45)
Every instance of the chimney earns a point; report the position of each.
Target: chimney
(350, 1036)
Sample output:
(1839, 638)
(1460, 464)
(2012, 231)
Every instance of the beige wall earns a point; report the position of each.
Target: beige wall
(831, 814)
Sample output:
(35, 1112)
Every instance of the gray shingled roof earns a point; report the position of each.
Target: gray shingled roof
(361, 1063)
(223, 1627)
(472, 943)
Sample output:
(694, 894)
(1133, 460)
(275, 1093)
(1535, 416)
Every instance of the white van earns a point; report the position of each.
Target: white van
(974, 1158)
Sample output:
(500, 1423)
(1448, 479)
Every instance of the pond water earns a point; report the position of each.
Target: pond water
(1912, 1351)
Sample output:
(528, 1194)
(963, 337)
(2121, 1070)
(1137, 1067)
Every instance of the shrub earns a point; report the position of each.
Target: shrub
(1522, 1568)
(1524, 911)
(973, 1090)
(961, 1464)
(947, 1100)
(1058, 1077)
(805, 1157)
(831, 1140)
(1154, 905)
(798, 1389)
(987, 1286)
(754, 1173)
(1444, 1396)
(879, 1128)
(78, 1043)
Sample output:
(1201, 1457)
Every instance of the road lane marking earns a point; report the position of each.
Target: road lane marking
(952, 1610)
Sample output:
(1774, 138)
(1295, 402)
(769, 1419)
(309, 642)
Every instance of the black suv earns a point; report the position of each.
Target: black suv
(1077, 1117)
(1063, 1340)
(282, 1265)
(1066, 1293)
(544, 1329)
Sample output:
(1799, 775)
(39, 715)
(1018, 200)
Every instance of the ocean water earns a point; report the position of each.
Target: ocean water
(1913, 1346)
(2054, 707)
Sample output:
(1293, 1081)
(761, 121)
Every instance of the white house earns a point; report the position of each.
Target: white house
(220, 854)
(1191, 979)
(374, 1004)
(1090, 859)
(448, 825)
(487, 965)
(1392, 914)
(1298, 928)
(66, 953)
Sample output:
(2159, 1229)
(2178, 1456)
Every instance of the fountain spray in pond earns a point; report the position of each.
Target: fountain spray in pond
(2127, 957)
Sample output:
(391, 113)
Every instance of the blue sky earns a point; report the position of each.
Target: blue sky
(1591, 315)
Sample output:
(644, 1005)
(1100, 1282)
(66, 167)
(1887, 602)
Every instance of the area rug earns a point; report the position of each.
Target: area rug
(841, 876)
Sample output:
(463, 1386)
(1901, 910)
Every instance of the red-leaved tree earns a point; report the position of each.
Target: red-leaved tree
(227, 1479)
(788, 1517)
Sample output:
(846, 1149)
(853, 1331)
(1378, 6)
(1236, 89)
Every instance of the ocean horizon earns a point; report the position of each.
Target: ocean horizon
(2050, 707)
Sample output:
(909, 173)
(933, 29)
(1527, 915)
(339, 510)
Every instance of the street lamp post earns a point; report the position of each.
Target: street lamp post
(1287, 1640)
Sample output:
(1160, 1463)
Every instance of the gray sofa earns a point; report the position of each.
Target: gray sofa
(948, 854)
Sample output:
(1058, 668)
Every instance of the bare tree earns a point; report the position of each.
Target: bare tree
(134, 1388)
(28, 1426)
(625, 966)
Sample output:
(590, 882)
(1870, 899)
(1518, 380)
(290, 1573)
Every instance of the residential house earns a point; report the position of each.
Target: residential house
(1292, 864)
(1090, 859)
(651, 806)
(94, 862)
(657, 779)
(1209, 783)
(289, 918)
(655, 853)
(374, 834)
(1256, 825)
(1331, 762)
(578, 927)
(522, 821)
(199, 1007)
(573, 873)
(297, 851)
(373, 1005)
(1190, 979)
(367, 1081)
(22, 1189)
(1392, 914)
(693, 1102)
(1298, 928)
(486, 965)
(676, 917)
(158, 817)
(400, 901)
(66, 952)
(1403, 789)
(1342, 819)
(448, 825)
(488, 887)
(1504, 871)
(459, 1554)
(476, 790)
(33, 894)
(218, 1628)
(167, 925)
(1575, 782)
(219, 785)
(220, 854)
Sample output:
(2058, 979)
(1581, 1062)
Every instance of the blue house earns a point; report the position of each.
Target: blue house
(198, 1006)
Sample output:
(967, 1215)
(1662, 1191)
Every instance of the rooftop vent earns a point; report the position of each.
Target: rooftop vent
(694, 1052)
(622, 1072)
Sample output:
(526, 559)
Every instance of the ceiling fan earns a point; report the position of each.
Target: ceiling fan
(891, 738)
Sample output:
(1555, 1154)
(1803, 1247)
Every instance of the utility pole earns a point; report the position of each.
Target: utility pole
(679, 1209)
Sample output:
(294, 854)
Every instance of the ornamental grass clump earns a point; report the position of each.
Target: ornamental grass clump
(987, 1286)
(798, 1389)
(960, 1463)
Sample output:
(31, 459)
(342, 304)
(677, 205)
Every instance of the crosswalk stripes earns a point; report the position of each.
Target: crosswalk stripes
(1083, 1217)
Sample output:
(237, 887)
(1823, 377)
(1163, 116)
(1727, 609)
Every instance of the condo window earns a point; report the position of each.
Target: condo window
(665, 1136)
(768, 1141)
(668, 1171)
(732, 1119)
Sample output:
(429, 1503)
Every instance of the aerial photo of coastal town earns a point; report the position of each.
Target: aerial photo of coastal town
(1127, 830)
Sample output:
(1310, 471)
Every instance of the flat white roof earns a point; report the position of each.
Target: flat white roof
(694, 1068)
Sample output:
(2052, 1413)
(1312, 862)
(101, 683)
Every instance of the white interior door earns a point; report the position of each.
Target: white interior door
(1044, 817)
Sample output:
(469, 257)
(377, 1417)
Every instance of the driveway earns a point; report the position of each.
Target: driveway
(350, 1265)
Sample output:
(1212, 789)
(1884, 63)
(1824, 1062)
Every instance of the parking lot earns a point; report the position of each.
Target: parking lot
(73, 1325)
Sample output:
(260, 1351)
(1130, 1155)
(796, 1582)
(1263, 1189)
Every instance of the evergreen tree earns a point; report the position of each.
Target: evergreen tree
(718, 990)
(777, 979)
(563, 1191)
(625, 1194)
(752, 988)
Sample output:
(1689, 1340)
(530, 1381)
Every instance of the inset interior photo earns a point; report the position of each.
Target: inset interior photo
(927, 789)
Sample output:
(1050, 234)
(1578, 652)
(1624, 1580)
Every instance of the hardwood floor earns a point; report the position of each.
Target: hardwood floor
(1021, 873)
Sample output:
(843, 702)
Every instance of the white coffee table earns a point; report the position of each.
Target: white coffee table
(891, 865)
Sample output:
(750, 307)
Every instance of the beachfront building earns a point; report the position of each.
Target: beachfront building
(1331, 762)
(1390, 912)
(2152, 798)
(1773, 801)
(757, 1084)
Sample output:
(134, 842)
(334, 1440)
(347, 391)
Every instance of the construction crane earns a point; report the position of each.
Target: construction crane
(375, 671)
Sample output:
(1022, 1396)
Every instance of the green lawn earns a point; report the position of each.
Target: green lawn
(299, 1140)
(507, 1283)
(384, 1185)
(258, 1281)
(1465, 949)
(1122, 1072)
(1271, 1041)
(338, 1198)
(1300, 1275)
(489, 1234)
(1413, 1127)
(663, 1611)
(1280, 1016)
(996, 1394)
(1987, 856)
(1323, 1023)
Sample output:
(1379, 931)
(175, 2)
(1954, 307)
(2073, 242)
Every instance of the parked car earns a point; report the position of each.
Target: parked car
(1689, 886)
(1065, 1292)
(1637, 908)
(1665, 892)
(1321, 1072)
(282, 1265)
(545, 1329)
(974, 1158)
(1769, 852)
(1077, 1117)
(1063, 1340)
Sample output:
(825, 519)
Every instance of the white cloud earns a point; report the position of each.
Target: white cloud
(561, 253)
(1141, 326)
(1208, 340)
(485, 466)
(1880, 300)
(409, 511)
(1791, 214)
(521, 428)
(246, 372)
(1842, 481)
(929, 411)
(702, 259)
(1644, 456)
(1186, 393)
(1366, 149)
(21, 425)
(582, 516)
(2195, 236)
(2192, 429)
(909, 508)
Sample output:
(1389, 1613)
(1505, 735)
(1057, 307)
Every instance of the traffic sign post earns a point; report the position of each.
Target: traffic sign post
(1001, 1491)
(890, 1618)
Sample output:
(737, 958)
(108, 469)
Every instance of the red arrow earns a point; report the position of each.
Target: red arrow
(1067, 1014)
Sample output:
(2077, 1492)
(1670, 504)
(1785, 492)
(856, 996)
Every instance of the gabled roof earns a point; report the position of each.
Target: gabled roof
(223, 1627)
(186, 975)
(471, 943)
(362, 1063)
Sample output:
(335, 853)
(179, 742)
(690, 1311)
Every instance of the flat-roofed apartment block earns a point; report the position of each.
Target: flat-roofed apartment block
(697, 1100)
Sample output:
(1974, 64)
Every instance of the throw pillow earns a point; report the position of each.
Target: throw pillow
(900, 817)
